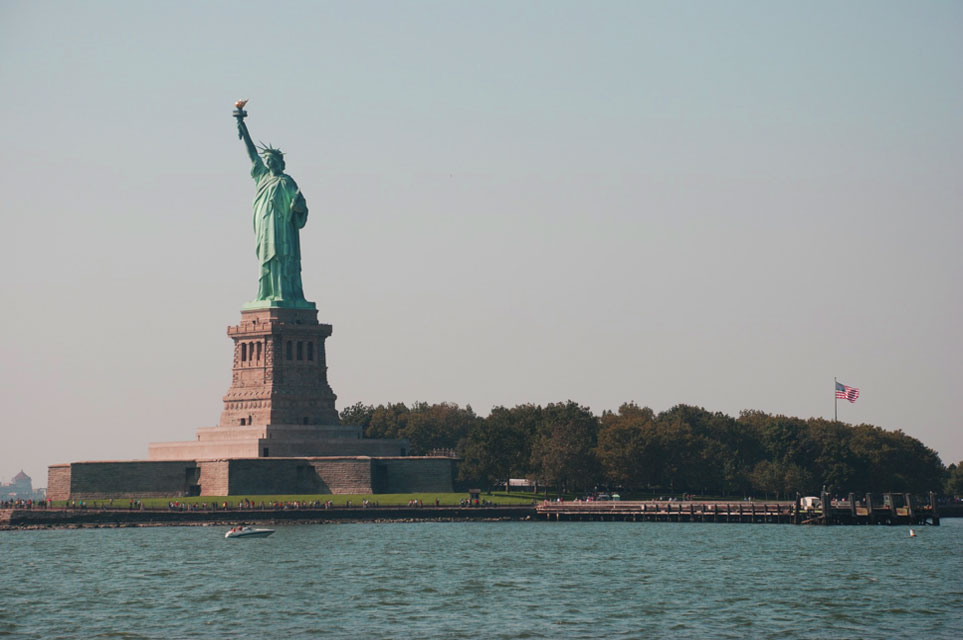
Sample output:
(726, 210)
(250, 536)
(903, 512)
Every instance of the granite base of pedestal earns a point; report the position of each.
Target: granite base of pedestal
(277, 441)
(250, 476)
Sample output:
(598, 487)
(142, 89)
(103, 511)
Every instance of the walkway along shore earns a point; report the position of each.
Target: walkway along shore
(841, 512)
(62, 518)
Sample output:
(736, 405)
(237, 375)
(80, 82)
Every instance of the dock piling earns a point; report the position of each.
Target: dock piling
(934, 510)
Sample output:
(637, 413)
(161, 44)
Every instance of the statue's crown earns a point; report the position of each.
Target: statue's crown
(268, 150)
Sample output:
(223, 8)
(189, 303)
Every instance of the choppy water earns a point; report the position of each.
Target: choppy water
(485, 580)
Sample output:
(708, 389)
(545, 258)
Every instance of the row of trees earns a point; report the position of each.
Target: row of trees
(683, 449)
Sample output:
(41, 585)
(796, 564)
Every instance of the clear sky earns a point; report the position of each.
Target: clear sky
(718, 204)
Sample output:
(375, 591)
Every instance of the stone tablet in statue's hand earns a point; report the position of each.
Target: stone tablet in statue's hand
(298, 203)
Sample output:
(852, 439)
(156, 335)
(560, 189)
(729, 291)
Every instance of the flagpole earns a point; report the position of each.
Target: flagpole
(835, 401)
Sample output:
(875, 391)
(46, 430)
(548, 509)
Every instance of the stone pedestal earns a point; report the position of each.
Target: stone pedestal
(280, 372)
(279, 403)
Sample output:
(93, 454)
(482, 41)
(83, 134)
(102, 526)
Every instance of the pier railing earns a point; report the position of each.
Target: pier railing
(894, 509)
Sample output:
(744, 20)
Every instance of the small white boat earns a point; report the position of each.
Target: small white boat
(248, 532)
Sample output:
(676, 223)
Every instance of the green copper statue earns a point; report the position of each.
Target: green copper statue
(279, 212)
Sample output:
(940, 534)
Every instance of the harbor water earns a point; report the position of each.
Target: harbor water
(485, 580)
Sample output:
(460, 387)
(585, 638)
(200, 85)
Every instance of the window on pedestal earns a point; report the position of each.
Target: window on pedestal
(242, 422)
(287, 350)
(311, 351)
(300, 350)
(243, 352)
(259, 351)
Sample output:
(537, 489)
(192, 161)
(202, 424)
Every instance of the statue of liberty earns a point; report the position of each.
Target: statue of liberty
(279, 212)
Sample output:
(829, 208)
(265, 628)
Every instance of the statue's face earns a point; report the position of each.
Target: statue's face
(274, 162)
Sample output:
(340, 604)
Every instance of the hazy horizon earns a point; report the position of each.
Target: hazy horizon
(719, 204)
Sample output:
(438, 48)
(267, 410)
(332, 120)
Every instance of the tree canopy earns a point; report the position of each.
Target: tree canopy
(683, 449)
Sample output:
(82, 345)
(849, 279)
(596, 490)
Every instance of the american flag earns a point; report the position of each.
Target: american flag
(846, 393)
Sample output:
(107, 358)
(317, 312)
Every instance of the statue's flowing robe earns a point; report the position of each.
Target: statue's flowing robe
(276, 225)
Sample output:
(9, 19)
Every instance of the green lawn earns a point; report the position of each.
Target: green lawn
(381, 499)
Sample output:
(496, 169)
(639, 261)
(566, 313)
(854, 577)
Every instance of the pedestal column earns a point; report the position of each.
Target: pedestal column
(280, 371)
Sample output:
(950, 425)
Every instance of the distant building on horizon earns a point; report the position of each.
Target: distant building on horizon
(20, 488)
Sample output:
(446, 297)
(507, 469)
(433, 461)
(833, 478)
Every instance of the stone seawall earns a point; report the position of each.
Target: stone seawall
(214, 477)
(73, 518)
(343, 476)
(127, 479)
(250, 476)
(58, 482)
(415, 475)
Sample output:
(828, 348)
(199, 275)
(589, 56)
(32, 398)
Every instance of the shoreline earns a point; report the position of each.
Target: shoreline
(34, 519)
(67, 518)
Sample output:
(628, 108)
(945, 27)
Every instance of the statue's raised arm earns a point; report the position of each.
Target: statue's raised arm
(242, 132)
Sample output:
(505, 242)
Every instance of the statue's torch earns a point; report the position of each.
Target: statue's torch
(239, 111)
(240, 114)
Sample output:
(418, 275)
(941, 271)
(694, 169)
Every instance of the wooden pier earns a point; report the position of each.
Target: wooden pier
(892, 509)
